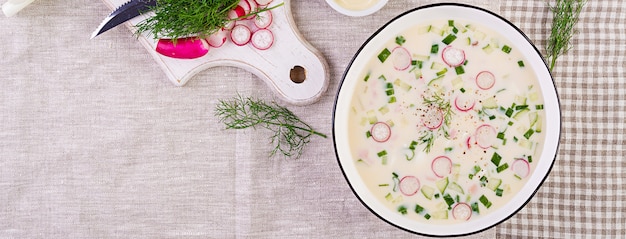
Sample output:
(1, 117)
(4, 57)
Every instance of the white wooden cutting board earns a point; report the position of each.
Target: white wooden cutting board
(273, 66)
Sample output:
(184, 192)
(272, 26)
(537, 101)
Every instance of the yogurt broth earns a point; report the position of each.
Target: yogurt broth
(446, 122)
(356, 5)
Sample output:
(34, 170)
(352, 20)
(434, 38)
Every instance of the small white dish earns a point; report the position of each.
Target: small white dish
(357, 11)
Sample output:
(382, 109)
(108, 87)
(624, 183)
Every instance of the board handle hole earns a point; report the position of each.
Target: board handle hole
(297, 74)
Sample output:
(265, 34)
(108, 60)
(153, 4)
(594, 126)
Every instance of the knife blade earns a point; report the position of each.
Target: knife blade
(123, 13)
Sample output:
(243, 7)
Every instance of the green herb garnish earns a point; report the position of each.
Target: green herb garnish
(177, 19)
(289, 133)
(565, 15)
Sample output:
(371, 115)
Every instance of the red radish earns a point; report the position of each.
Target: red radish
(237, 12)
(263, 2)
(253, 8)
(245, 5)
(433, 118)
(409, 185)
(185, 48)
(464, 103)
(462, 211)
(485, 80)
(218, 38)
(485, 136)
(381, 132)
(240, 35)
(521, 167)
(452, 56)
(401, 58)
(441, 166)
(263, 39)
(263, 19)
(469, 142)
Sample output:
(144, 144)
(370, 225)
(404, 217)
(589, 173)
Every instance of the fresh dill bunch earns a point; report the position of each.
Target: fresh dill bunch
(184, 18)
(289, 134)
(565, 16)
(429, 136)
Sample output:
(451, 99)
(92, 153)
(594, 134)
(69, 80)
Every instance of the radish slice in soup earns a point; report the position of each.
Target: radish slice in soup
(433, 118)
(485, 80)
(462, 211)
(381, 132)
(485, 136)
(401, 58)
(452, 56)
(409, 185)
(464, 102)
(521, 167)
(441, 166)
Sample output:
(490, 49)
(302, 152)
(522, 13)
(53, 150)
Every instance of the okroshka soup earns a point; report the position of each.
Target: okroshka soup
(447, 121)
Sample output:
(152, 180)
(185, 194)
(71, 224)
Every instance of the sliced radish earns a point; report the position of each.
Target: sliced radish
(240, 35)
(462, 211)
(485, 136)
(253, 7)
(485, 80)
(441, 166)
(263, 39)
(218, 38)
(464, 102)
(263, 2)
(185, 48)
(263, 19)
(401, 58)
(245, 5)
(381, 132)
(409, 185)
(453, 56)
(469, 142)
(433, 118)
(521, 167)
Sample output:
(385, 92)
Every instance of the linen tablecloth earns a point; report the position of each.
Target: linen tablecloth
(95, 142)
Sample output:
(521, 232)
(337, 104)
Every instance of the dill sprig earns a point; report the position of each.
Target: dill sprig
(565, 16)
(289, 133)
(175, 19)
(428, 136)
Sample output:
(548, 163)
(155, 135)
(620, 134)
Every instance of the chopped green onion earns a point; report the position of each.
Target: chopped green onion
(383, 185)
(459, 70)
(530, 158)
(462, 90)
(402, 210)
(529, 133)
(501, 135)
(384, 55)
(383, 153)
(400, 40)
(449, 200)
(492, 117)
(499, 192)
(367, 77)
(368, 134)
(496, 158)
(502, 167)
(434, 49)
(485, 201)
(506, 49)
(521, 107)
(427, 216)
(539, 107)
(475, 207)
(449, 39)
(509, 112)
(418, 209)
(520, 63)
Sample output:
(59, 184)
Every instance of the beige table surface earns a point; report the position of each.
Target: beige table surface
(95, 142)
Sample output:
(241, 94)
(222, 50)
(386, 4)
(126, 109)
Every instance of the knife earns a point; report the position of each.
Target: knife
(123, 13)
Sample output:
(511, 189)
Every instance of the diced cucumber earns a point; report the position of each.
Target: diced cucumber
(455, 187)
(442, 184)
(538, 125)
(371, 117)
(442, 214)
(490, 103)
(428, 191)
(383, 110)
(389, 197)
(437, 66)
(478, 35)
(494, 183)
(424, 29)
(402, 85)
(436, 82)
(422, 58)
(520, 100)
(488, 49)
(457, 83)
(533, 117)
(520, 114)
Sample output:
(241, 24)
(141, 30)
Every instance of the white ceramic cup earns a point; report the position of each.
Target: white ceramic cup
(12, 7)
(356, 13)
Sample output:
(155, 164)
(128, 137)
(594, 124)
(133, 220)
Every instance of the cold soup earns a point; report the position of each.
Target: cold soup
(446, 122)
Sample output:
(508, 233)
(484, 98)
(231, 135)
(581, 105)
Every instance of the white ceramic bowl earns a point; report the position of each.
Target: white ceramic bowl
(354, 13)
(376, 41)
